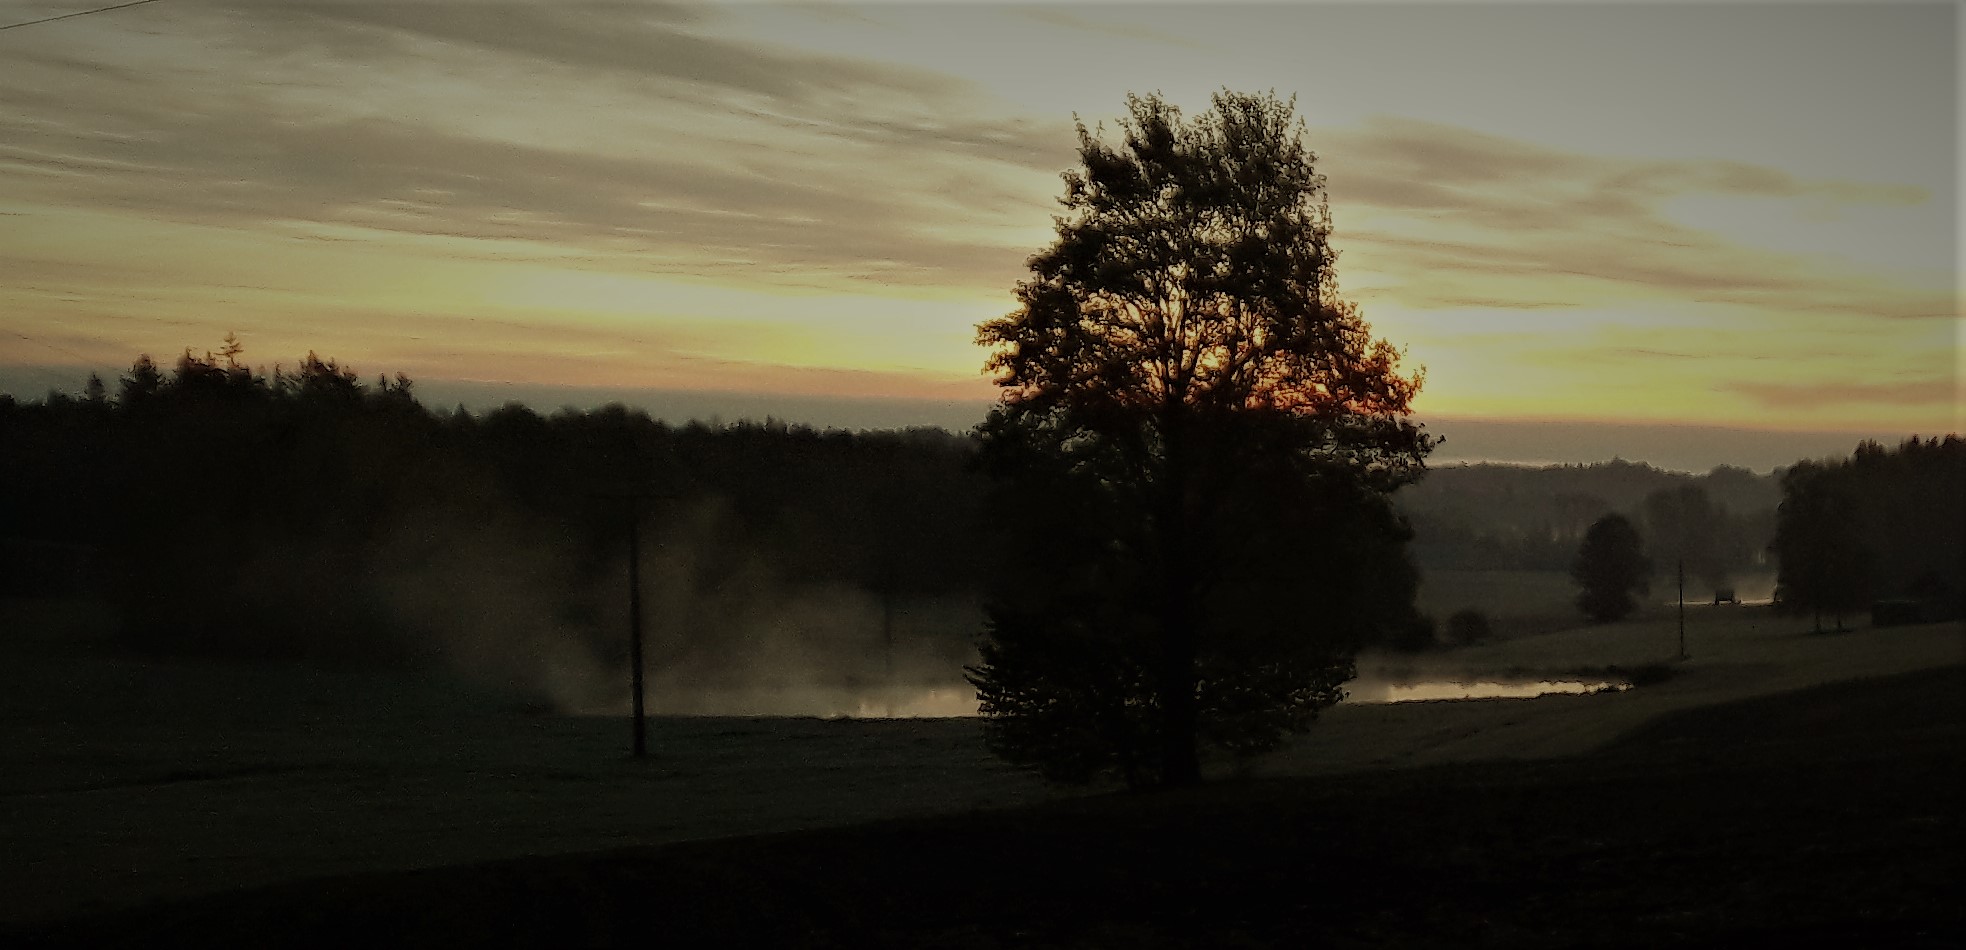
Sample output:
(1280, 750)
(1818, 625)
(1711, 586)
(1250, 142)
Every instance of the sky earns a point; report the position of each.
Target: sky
(1687, 234)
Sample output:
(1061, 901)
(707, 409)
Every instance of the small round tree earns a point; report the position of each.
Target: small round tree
(1610, 567)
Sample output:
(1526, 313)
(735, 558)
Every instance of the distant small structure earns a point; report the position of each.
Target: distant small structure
(1930, 599)
(1896, 612)
(1724, 595)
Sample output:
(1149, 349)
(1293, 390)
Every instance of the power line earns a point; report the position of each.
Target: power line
(67, 383)
(64, 16)
(59, 349)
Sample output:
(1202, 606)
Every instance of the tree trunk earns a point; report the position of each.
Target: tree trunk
(1180, 759)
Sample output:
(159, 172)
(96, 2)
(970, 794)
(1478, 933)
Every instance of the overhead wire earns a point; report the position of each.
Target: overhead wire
(66, 382)
(59, 349)
(64, 16)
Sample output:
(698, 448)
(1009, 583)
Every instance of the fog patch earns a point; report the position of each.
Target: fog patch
(496, 603)
(513, 606)
(946, 701)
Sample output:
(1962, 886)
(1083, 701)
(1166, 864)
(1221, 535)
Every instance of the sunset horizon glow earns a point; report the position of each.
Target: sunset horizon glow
(1654, 219)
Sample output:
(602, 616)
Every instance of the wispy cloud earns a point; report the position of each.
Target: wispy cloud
(734, 157)
(1052, 16)
(1456, 216)
(854, 185)
(1837, 392)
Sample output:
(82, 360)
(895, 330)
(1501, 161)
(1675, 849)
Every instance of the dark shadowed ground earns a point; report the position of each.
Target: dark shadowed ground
(1826, 816)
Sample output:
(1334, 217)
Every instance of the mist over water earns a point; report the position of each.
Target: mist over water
(510, 606)
(489, 599)
(945, 701)
(954, 700)
(724, 637)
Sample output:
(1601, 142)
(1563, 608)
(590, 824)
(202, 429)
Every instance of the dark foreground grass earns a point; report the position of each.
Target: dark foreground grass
(1828, 817)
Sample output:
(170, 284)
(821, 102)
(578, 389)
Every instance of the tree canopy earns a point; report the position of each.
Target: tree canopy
(1194, 448)
(1610, 568)
(303, 511)
(1883, 524)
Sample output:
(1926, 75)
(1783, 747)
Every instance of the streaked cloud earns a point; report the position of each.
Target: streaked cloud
(1919, 392)
(824, 199)
(737, 158)
(1454, 216)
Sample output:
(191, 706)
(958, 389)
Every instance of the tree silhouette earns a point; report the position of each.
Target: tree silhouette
(1610, 567)
(1194, 450)
(139, 390)
(1825, 563)
(296, 498)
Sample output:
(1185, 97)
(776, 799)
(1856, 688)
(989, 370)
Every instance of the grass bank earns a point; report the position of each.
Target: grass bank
(1823, 816)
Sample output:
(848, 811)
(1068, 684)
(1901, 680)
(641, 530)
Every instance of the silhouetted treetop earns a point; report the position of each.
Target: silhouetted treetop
(1193, 272)
(1876, 525)
(1610, 567)
(1192, 451)
(284, 494)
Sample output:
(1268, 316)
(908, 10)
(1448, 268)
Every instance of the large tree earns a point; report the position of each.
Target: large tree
(1824, 565)
(1610, 568)
(1194, 449)
(1882, 524)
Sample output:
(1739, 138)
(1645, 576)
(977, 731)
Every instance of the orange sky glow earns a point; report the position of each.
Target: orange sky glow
(1736, 216)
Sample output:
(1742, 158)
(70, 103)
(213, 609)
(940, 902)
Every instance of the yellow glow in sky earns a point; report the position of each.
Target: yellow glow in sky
(825, 200)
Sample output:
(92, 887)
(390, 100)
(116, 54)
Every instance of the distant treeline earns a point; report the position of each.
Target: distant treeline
(1506, 517)
(303, 512)
(298, 512)
(1883, 531)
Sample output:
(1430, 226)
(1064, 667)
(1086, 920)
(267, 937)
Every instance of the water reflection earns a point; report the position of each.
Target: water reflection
(958, 701)
(954, 701)
(806, 702)
(1435, 690)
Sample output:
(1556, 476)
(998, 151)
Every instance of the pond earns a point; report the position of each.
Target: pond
(1370, 691)
(954, 700)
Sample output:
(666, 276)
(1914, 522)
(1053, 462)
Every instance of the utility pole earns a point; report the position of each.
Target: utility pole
(635, 624)
(1682, 607)
(888, 694)
(887, 570)
(637, 693)
(626, 481)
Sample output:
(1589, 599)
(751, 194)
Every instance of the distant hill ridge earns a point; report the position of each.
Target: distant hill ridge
(1498, 516)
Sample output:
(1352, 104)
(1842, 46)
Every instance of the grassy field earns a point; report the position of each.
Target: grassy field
(1741, 798)
(1502, 595)
(134, 779)
(1811, 819)
(1520, 603)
